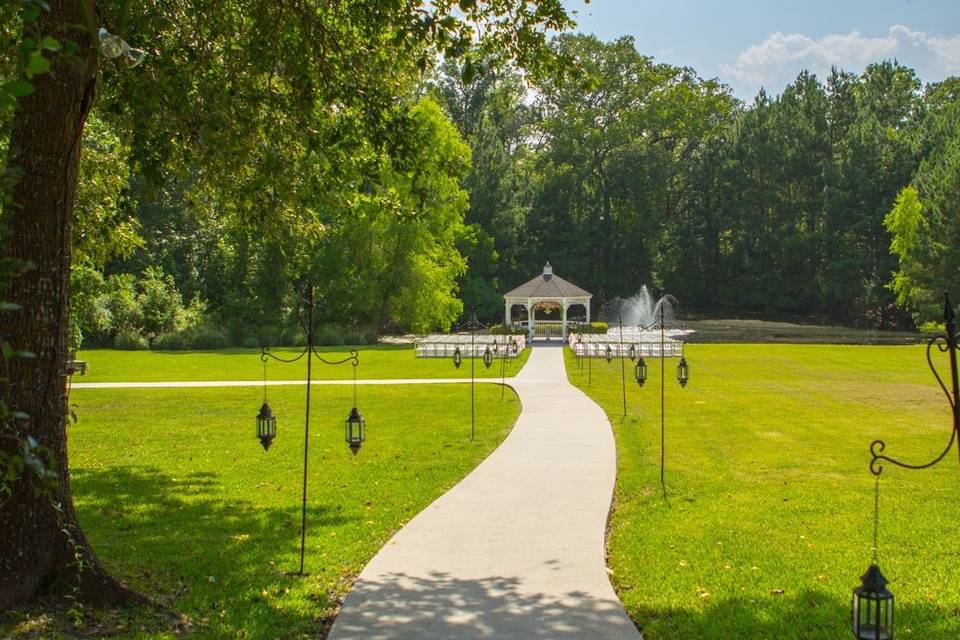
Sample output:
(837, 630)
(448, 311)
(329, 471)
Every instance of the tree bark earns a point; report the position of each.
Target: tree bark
(43, 550)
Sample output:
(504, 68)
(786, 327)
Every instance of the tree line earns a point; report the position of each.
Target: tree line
(627, 171)
(837, 198)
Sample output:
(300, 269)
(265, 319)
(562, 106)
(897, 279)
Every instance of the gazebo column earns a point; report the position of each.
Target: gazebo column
(531, 318)
(506, 314)
(586, 306)
(564, 304)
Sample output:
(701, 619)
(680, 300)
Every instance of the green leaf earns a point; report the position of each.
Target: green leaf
(50, 43)
(18, 89)
(31, 13)
(37, 65)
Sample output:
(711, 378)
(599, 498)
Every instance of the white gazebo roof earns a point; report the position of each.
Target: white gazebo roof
(547, 286)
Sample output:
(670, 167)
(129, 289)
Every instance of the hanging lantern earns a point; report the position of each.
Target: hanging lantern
(640, 372)
(873, 607)
(457, 358)
(496, 346)
(356, 430)
(633, 352)
(609, 354)
(487, 358)
(683, 372)
(513, 347)
(266, 426)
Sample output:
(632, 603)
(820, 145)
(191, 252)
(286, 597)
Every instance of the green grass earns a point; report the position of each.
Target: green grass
(179, 499)
(767, 521)
(376, 362)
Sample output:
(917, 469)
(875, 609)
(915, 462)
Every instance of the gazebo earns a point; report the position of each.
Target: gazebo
(546, 287)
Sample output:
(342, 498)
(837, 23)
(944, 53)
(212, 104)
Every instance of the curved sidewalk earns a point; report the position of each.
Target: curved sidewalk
(516, 549)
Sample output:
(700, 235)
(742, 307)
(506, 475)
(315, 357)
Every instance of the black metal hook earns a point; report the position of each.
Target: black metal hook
(945, 343)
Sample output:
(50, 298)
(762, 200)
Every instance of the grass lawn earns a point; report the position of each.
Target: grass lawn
(179, 499)
(376, 362)
(767, 522)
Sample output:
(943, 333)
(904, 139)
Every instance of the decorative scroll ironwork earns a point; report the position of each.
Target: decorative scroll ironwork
(945, 343)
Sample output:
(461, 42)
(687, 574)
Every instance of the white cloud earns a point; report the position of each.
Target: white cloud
(777, 60)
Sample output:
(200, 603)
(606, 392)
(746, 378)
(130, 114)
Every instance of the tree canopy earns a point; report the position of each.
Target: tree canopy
(232, 148)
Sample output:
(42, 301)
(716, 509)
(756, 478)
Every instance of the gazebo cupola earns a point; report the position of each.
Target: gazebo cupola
(546, 287)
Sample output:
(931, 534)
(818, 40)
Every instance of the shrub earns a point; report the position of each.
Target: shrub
(209, 339)
(329, 337)
(129, 341)
(120, 301)
(250, 342)
(930, 328)
(270, 336)
(160, 302)
(294, 338)
(169, 342)
(592, 327)
(355, 337)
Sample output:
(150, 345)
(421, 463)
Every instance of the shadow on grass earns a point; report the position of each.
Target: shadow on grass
(223, 562)
(441, 606)
(809, 615)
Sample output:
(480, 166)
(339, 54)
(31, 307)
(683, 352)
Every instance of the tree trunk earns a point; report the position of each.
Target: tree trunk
(42, 547)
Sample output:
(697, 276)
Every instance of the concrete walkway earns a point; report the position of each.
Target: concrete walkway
(516, 550)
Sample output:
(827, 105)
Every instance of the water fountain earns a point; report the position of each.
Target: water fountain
(641, 315)
(641, 310)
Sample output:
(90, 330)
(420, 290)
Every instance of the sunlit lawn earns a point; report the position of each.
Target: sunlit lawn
(179, 499)
(376, 362)
(767, 521)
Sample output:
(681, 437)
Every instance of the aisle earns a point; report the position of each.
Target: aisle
(516, 549)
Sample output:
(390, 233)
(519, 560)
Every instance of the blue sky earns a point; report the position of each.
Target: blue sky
(764, 43)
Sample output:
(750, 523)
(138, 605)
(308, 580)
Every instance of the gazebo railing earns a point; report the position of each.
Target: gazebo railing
(548, 329)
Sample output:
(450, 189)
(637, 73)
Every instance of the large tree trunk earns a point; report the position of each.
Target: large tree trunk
(42, 547)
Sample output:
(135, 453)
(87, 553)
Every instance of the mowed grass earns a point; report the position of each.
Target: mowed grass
(376, 362)
(179, 499)
(766, 525)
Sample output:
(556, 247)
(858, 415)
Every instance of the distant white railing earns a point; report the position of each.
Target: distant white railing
(443, 345)
(597, 345)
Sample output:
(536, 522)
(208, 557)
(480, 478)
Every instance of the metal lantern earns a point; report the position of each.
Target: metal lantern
(513, 347)
(683, 372)
(457, 358)
(487, 358)
(356, 430)
(609, 354)
(873, 607)
(633, 352)
(266, 426)
(640, 371)
(496, 346)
